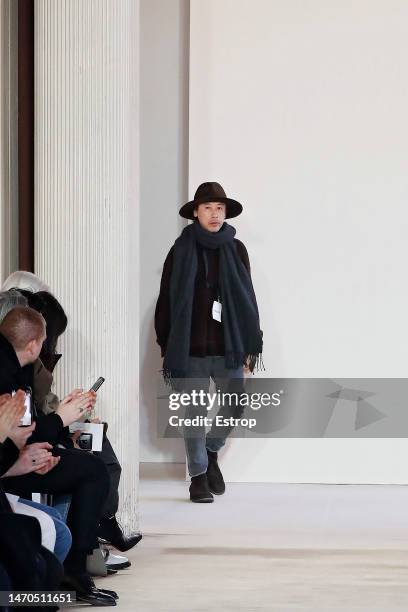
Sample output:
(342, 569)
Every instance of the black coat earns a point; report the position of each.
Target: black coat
(27, 563)
(13, 376)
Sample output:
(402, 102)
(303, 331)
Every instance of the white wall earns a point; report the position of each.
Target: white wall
(164, 31)
(299, 110)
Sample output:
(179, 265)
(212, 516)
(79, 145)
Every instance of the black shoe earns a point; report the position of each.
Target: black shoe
(216, 482)
(109, 592)
(112, 532)
(86, 590)
(199, 491)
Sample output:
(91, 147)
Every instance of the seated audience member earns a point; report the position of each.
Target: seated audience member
(55, 535)
(56, 320)
(81, 474)
(39, 375)
(24, 563)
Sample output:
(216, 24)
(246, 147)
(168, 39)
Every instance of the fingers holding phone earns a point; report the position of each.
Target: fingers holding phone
(74, 437)
(72, 408)
(78, 403)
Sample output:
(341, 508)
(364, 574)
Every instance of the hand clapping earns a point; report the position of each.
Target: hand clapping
(11, 411)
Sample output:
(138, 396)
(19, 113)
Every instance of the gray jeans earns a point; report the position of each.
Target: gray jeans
(197, 441)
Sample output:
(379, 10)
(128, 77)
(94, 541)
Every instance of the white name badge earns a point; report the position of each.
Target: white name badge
(216, 310)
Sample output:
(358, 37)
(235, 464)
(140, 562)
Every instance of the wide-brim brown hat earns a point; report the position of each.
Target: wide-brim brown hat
(211, 192)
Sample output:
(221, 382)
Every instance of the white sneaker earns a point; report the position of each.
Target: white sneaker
(117, 562)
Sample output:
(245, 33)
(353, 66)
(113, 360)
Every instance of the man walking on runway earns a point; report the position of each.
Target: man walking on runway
(207, 321)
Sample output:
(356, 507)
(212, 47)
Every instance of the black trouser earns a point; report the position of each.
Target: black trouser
(86, 479)
(5, 581)
(109, 458)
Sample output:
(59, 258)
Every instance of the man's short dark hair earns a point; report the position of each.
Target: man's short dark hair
(22, 325)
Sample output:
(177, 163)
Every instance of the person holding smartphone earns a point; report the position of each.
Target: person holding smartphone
(84, 476)
(47, 402)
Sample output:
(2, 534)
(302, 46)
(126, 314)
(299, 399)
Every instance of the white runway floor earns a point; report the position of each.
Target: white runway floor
(267, 547)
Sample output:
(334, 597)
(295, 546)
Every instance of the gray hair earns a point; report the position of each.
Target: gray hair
(24, 280)
(9, 300)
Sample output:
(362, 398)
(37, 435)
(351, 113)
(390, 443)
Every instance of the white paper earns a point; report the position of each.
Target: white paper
(216, 310)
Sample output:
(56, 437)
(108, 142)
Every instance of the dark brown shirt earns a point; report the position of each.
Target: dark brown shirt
(207, 335)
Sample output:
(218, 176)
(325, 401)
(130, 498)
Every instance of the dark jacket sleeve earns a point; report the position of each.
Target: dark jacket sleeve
(9, 454)
(243, 253)
(48, 428)
(162, 313)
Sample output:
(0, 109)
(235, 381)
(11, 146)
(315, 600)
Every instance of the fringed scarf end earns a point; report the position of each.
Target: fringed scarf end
(166, 376)
(255, 362)
(171, 377)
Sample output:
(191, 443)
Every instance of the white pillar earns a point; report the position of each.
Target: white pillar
(86, 200)
(8, 139)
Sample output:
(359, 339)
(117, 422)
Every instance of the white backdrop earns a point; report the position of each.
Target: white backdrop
(164, 33)
(299, 110)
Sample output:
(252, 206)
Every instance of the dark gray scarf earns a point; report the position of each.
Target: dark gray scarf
(240, 317)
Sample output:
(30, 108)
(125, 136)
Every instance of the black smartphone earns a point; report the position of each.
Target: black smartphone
(85, 441)
(97, 384)
(27, 418)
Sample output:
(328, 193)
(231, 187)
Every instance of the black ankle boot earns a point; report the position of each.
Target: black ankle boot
(215, 480)
(111, 531)
(199, 491)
